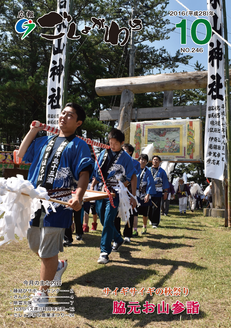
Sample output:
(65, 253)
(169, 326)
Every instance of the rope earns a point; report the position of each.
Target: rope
(104, 182)
(56, 131)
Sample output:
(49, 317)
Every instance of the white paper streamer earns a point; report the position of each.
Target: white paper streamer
(176, 185)
(168, 167)
(196, 189)
(208, 190)
(16, 209)
(125, 207)
(148, 150)
(185, 177)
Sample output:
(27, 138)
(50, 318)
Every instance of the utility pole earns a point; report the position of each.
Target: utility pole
(227, 106)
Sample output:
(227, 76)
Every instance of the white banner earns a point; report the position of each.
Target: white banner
(215, 124)
(55, 82)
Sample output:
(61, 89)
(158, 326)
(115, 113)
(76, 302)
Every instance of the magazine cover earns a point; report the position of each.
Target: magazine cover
(86, 86)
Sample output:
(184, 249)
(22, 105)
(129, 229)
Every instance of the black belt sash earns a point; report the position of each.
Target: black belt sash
(49, 179)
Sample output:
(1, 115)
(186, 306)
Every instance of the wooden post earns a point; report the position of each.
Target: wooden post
(228, 116)
(125, 111)
(156, 113)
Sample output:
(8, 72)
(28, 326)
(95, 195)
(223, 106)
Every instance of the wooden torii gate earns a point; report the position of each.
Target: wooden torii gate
(128, 86)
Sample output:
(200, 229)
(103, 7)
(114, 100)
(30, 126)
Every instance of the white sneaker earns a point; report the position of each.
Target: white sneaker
(103, 258)
(37, 303)
(150, 222)
(154, 226)
(58, 275)
(127, 240)
(116, 246)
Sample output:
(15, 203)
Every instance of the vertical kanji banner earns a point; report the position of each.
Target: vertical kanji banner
(215, 125)
(55, 82)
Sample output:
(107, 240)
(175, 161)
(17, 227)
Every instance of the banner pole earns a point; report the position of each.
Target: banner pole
(227, 106)
(67, 63)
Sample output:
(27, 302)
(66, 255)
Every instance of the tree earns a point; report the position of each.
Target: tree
(195, 172)
(23, 71)
(24, 63)
(191, 96)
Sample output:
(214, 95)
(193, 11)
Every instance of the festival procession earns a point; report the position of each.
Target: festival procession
(115, 186)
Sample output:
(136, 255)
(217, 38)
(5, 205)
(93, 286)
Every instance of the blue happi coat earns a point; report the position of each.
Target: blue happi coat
(75, 157)
(161, 182)
(145, 185)
(136, 165)
(123, 165)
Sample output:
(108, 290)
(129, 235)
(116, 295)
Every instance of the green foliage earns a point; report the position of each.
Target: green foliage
(93, 124)
(195, 172)
(192, 96)
(24, 63)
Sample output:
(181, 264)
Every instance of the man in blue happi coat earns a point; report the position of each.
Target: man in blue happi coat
(115, 163)
(57, 163)
(162, 185)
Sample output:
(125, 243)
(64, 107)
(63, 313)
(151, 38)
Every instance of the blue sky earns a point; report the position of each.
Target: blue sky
(173, 44)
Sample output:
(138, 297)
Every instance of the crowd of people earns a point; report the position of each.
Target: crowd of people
(63, 163)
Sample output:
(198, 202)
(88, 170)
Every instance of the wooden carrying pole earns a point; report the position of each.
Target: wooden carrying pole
(98, 195)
